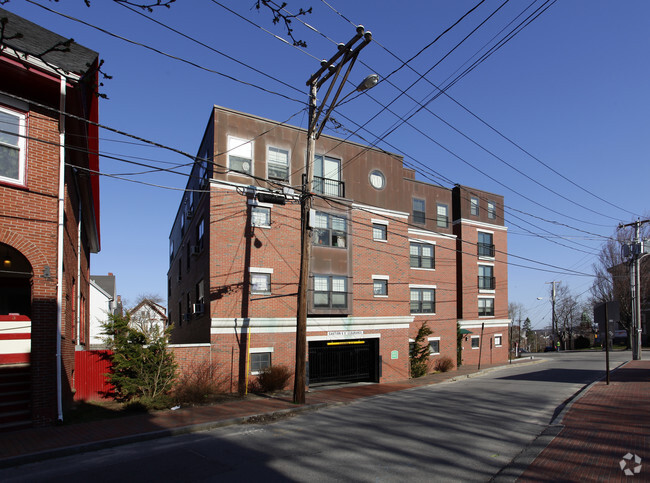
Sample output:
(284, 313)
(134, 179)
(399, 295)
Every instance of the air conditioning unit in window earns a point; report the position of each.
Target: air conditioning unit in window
(195, 250)
(197, 308)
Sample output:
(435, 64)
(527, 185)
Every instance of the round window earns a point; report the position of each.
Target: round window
(377, 179)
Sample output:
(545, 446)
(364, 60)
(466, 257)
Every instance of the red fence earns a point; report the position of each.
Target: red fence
(90, 379)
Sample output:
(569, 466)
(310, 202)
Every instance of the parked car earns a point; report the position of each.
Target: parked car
(549, 349)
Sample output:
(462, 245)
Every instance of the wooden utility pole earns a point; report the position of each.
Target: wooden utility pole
(345, 55)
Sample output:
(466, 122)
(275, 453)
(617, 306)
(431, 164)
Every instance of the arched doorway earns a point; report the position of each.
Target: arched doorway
(15, 282)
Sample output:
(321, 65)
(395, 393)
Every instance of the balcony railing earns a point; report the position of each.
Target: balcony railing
(486, 283)
(330, 187)
(485, 250)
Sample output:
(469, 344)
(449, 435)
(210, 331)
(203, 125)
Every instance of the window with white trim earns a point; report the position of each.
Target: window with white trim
(485, 307)
(379, 232)
(422, 255)
(486, 277)
(260, 359)
(491, 210)
(260, 280)
(12, 146)
(498, 340)
(473, 206)
(261, 216)
(240, 155)
(434, 345)
(380, 285)
(442, 219)
(277, 163)
(476, 340)
(423, 300)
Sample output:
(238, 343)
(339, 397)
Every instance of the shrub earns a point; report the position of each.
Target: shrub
(199, 383)
(444, 364)
(419, 352)
(141, 370)
(582, 342)
(273, 378)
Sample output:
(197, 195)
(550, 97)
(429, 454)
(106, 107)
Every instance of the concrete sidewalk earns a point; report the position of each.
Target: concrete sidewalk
(37, 444)
(603, 435)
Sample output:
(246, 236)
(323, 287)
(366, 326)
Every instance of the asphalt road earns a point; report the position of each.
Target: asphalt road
(462, 431)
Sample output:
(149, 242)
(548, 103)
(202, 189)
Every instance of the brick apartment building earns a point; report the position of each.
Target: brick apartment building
(389, 253)
(49, 217)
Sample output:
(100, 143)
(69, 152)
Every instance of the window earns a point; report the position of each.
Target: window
(379, 232)
(261, 216)
(180, 313)
(188, 250)
(379, 286)
(475, 341)
(491, 210)
(329, 230)
(188, 300)
(330, 291)
(277, 162)
(171, 250)
(442, 219)
(200, 292)
(422, 255)
(473, 206)
(182, 224)
(434, 345)
(485, 245)
(418, 211)
(423, 300)
(498, 340)
(12, 146)
(200, 232)
(327, 176)
(486, 277)
(260, 283)
(377, 179)
(485, 307)
(240, 155)
(259, 361)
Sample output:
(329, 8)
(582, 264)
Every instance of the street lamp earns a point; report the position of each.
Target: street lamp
(345, 55)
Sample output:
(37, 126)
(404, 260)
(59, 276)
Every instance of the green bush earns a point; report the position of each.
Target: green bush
(141, 373)
(419, 352)
(271, 379)
(444, 364)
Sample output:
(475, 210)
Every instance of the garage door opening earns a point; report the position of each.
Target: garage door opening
(338, 361)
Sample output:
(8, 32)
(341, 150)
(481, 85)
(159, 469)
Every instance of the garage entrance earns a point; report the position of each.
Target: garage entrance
(344, 361)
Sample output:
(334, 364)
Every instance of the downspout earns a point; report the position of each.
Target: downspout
(78, 294)
(59, 269)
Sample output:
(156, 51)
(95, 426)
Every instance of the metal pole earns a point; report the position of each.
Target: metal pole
(607, 342)
(637, 294)
(305, 256)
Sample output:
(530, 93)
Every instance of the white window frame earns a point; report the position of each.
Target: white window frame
(500, 336)
(485, 298)
(473, 338)
(380, 222)
(433, 339)
(270, 163)
(260, 207)
(491, 210)
(261, 350)
(442, 220)
(420, 244)
(21, 146)
(474, 208)
(380, 278)
(266, 273)
(423, 287)
(243, 150)
(341, 236)
(331, 282)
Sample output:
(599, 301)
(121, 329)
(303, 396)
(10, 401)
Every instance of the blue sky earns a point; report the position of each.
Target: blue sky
(570, 89)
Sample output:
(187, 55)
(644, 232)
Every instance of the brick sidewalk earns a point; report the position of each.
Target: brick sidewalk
(36, 444)
(600, 428)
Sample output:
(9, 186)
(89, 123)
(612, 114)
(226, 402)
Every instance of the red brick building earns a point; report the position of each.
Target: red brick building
(49, 215)
(389, 253)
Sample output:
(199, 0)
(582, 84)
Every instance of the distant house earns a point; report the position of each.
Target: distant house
(49, 199)
(149, 317)
(103, 302)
